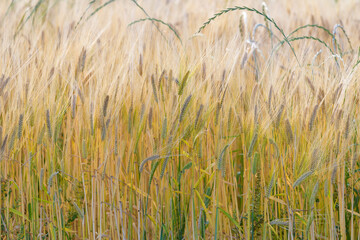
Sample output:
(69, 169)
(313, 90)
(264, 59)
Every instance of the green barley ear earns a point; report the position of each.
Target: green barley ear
(154, 88)
(278, 117)
(186, 167)
(221, 162)
(41, 136)
(183, 83)
(169, 144)
(198, 115)
(152, 158)
(333, 174)
(271, 185)
(242, 23)
(153, 169)
(313, 117)
(289, 133)
(164, 166)
(219, 107)
(79, 211)
(183, 109)
(84, 152)
(229, 120)
(41, 177)
(302, 178)
(309, 222)
(313, 195)
(82, 58)
(252, 144)
(187, 132)
(256, 161)
(48, 123)
(314, 159)
(326, 188)
(164, 128)
(51, 181)
(276, 147)
(20, 125)
(12, 139)
(105, 106)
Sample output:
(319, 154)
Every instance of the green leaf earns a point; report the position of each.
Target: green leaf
(230, 218)
(18, 213)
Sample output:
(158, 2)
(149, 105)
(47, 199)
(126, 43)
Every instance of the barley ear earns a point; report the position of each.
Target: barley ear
(48, 123)
(313, 194)
(154, 88)
(183, 109)
(271, 185)
(312, 118)
(302, 178)
(20, 125)
(252, 144)
(142, 164)
(183, 83)
(289, 133)
(105, 106)
(221, 162)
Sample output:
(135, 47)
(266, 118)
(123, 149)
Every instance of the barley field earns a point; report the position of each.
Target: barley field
(179, 119)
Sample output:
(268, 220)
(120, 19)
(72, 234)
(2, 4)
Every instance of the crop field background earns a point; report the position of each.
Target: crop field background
(169, 119)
